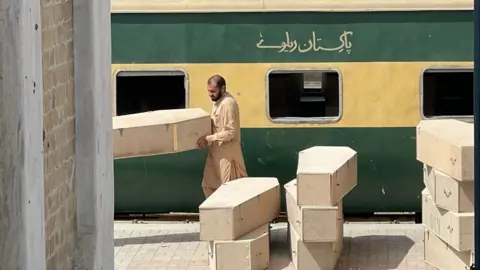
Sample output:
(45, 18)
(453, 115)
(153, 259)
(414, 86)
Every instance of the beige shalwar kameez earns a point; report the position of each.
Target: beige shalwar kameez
(225, 158)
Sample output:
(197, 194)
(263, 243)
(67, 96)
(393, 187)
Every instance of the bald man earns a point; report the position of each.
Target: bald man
(225, 158)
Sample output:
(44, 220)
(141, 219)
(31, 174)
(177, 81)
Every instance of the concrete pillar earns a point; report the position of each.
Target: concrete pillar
(22, 226)
(93, 147)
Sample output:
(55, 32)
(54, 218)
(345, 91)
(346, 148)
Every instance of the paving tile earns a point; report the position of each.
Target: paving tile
(174, 245)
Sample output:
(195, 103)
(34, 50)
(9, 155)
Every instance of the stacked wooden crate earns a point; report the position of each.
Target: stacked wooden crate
(235, 221)
(159, 132)
(445, 147)
(314, 205)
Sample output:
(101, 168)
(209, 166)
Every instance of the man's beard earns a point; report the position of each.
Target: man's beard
(219, 96)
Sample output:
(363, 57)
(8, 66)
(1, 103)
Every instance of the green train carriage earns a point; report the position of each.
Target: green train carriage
(304, 73)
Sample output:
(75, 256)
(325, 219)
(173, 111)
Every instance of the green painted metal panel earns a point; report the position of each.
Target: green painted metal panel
(389, 179)
(233, 37)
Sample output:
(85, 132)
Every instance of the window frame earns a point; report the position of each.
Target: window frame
(154, 72)
(439, 69)
(301, 120)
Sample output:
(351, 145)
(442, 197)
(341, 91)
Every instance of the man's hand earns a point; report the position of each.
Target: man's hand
(202, 142)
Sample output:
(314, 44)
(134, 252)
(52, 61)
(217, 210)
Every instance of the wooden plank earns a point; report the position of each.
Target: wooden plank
(315, 255)
(448, 193)
(312, 223)
(456, 229)
(447, 145)
(159, 132)
(238, 207)
(440, 255)
(250, 252)
(325, 174)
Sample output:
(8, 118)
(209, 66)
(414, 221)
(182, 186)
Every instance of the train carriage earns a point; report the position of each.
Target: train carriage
(356, 73)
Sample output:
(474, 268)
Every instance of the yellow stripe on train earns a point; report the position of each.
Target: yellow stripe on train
(373, 94)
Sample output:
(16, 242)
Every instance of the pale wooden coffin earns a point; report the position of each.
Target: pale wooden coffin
(239, 207)
(250, 252)
(447, 145)
(442, 256)
(315, 255)
(447, 192)
(456, 229)
(312, 223)
(325, 174)
(159, 132)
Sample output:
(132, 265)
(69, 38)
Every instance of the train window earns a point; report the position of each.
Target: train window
(447, 93)
(141, 91)
(304, 96)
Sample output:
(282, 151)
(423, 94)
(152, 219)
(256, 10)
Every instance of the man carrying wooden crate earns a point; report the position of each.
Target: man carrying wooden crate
(225, 158)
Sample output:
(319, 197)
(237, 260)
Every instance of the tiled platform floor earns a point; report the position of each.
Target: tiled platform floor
(175, 245)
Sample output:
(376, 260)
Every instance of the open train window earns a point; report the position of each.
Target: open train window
(142, 91)
(447, 93)
(304, 96)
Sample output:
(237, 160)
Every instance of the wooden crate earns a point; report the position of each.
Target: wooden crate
(315, 255)
(447, 145)
(442, 256)
(325, 174)
(251, 252)
(238, 207)
(456, 229)
(447, 192)
(312, 223)
(159, 132)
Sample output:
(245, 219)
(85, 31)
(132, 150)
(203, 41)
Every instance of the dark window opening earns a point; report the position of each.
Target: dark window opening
(309, 94)
(448, 93)
(142, 92)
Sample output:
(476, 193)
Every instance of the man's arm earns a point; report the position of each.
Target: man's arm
(228, 116)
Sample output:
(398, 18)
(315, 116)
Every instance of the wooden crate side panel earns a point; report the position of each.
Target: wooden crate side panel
(465, 222)
(294, 213)
(320, 224)
(466, 197)
(345, 179)
(312, 223)
(212, 259)
(315, 189)
(467, 162)
(338, 244)
(314, 255)
(293, 240)
(142, 141)
(232, 256)
(216, 224)
(260, 252)
(317, 255)
(450, 194)
(249, 252)
(190, 131)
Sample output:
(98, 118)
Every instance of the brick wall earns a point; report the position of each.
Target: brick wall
(59, 133)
